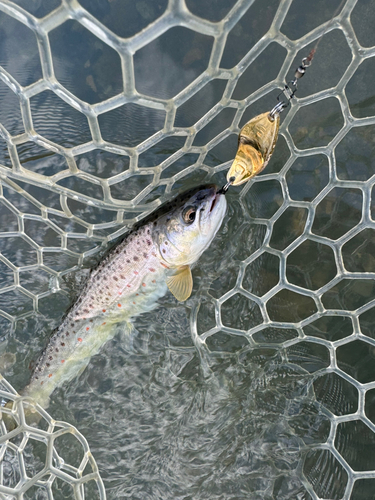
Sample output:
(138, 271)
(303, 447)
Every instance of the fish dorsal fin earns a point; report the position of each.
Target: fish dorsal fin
(181, 283)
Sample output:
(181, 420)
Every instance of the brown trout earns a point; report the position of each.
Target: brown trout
(154, 256)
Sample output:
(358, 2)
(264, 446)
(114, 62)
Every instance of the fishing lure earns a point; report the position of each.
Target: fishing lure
(257, 139)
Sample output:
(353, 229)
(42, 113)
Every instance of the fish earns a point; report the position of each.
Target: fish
(156, 255)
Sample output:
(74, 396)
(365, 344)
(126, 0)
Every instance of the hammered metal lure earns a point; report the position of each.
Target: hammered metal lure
(257, 139)
(256, 142)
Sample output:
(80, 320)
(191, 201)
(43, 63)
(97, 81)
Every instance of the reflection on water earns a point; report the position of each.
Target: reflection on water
(243, 415)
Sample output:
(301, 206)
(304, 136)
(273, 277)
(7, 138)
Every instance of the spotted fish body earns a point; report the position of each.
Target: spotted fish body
(154, 256)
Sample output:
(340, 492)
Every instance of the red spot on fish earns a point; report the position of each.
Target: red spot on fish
(143, 284)
(41, 383)
(63, 361)
(79, 339)
(154, 281)
(128, 286)
(136, 294)
(152, 269)
(135, 272)
(133, 302)
(164, 265)
(119, 305)
(87, 328)
(50, 375)
(104, 310)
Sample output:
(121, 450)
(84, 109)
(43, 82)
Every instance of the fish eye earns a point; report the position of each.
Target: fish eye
(188, 215)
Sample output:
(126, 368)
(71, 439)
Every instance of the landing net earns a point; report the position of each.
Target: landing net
(137, 134)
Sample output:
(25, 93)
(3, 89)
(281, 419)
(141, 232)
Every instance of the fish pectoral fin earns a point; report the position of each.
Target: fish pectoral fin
(181, 283)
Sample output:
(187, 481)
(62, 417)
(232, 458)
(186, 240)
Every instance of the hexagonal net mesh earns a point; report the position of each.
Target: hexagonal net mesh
(102, 118)
(31, 460)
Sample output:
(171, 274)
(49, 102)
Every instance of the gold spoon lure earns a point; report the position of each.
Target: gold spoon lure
(256, 143)
(257, 139)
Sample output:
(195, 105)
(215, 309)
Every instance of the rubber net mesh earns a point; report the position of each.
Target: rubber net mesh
(306, 287)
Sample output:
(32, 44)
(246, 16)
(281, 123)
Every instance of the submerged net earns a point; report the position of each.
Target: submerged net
(92, 143)
(32, 460)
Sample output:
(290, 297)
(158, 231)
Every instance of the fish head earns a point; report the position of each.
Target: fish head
(190, 225)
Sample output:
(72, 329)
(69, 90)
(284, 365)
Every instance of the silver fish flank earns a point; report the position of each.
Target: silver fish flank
(154, 256)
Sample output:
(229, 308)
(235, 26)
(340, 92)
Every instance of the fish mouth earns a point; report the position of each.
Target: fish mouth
(214, 201)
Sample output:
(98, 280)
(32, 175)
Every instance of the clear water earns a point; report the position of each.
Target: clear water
(235, 419)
